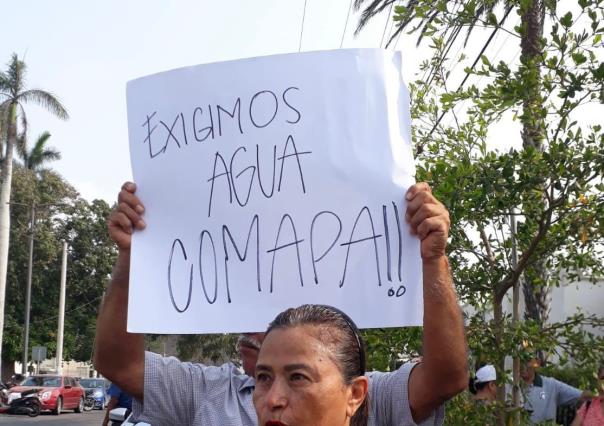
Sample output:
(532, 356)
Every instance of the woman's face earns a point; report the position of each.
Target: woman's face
(299, 384)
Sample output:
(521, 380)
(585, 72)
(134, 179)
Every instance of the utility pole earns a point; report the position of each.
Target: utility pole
(30, 262)
(515, 319)
(32, 229)
(62, 310)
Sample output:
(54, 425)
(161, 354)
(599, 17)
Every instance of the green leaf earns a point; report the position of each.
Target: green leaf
(567, 20)
(579, 58)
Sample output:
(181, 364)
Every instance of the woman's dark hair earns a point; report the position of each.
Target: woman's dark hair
(340, 334)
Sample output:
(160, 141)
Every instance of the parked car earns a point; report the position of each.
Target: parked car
(97, 389)
(56, 392)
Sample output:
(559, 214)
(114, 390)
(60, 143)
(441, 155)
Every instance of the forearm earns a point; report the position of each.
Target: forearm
(119, 355)
(112, 404)
(444, 342)
(443, 371)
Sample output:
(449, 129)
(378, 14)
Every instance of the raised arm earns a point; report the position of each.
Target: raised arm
(443, 372)
(119, 355)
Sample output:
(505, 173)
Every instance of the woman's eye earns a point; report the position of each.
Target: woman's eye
(262, 378)
(295, 377)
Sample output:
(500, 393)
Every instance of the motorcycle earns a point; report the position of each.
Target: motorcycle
(27, 402)
(89, 400)
(4, 391)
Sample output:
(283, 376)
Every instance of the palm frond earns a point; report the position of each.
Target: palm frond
(21, 148)
(46, 100)
(374, 8)
(43, 138)
(40, 154)
(16, 75)
(37, 159)
(3, 83)
(23, 117)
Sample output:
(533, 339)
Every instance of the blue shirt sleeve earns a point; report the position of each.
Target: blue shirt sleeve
(114, 391)
(565, 393)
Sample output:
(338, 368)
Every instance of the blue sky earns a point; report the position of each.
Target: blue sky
(85, 52)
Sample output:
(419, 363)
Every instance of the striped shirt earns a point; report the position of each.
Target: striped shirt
(182, 393)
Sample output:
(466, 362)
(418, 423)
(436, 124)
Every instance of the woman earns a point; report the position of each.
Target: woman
(310, 370)
(591, 412)
(484, 385)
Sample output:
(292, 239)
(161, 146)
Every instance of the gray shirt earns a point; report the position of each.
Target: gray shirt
(545, 394)
(182, 393)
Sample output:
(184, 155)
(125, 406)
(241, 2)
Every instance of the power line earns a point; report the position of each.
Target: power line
(346, 24)
(387, 21)
(302, 27)
(484, 48)
(70, 311)
(392, 29)
(458, 106)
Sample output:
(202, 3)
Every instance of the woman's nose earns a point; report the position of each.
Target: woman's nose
(276, 397)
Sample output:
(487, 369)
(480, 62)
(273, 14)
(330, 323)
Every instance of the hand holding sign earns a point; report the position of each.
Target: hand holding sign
(126, 217)
(429, 220)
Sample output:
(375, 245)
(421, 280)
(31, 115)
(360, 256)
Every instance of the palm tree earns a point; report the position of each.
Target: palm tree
(39, 154)
(13, 97)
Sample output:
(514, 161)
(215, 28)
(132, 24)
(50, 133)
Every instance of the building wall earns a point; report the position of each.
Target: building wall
(583, 295)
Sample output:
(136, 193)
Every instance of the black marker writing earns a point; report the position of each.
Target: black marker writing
(295, 154)
(275, 108)
(227, 233)
(278, 247)
(201, 256)
(150, 131)
(170, 132)
(400, 240)
(350, 242)
(249, 189)
(312, 245)
(263, 109)
(208, 129)
(290, 106)
(260, 175)
(220, 170)
(213, 180)
(235, 113)
(184, 253)
(387, 235)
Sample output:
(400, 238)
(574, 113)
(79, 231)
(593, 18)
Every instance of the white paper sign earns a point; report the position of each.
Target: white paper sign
(269, 183)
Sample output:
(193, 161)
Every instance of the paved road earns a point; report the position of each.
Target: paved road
(93, 418)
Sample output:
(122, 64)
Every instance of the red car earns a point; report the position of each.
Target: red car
(56, 392)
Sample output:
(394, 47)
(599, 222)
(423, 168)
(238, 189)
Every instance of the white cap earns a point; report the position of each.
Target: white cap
(486, 374)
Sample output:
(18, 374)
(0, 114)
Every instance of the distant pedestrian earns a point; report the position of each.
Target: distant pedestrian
(545, 394)
(484, 385)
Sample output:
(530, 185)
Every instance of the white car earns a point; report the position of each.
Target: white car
(117, 416)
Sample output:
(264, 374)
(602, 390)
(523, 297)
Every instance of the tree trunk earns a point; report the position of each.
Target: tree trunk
(5, 190)
(536, 287)
(499, 363)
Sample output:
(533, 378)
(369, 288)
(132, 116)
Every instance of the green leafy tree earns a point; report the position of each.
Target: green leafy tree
(210, 349)
(90, 258)
(551, 187)
(13, 96)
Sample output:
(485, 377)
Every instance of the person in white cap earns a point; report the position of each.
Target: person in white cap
(484, 385)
